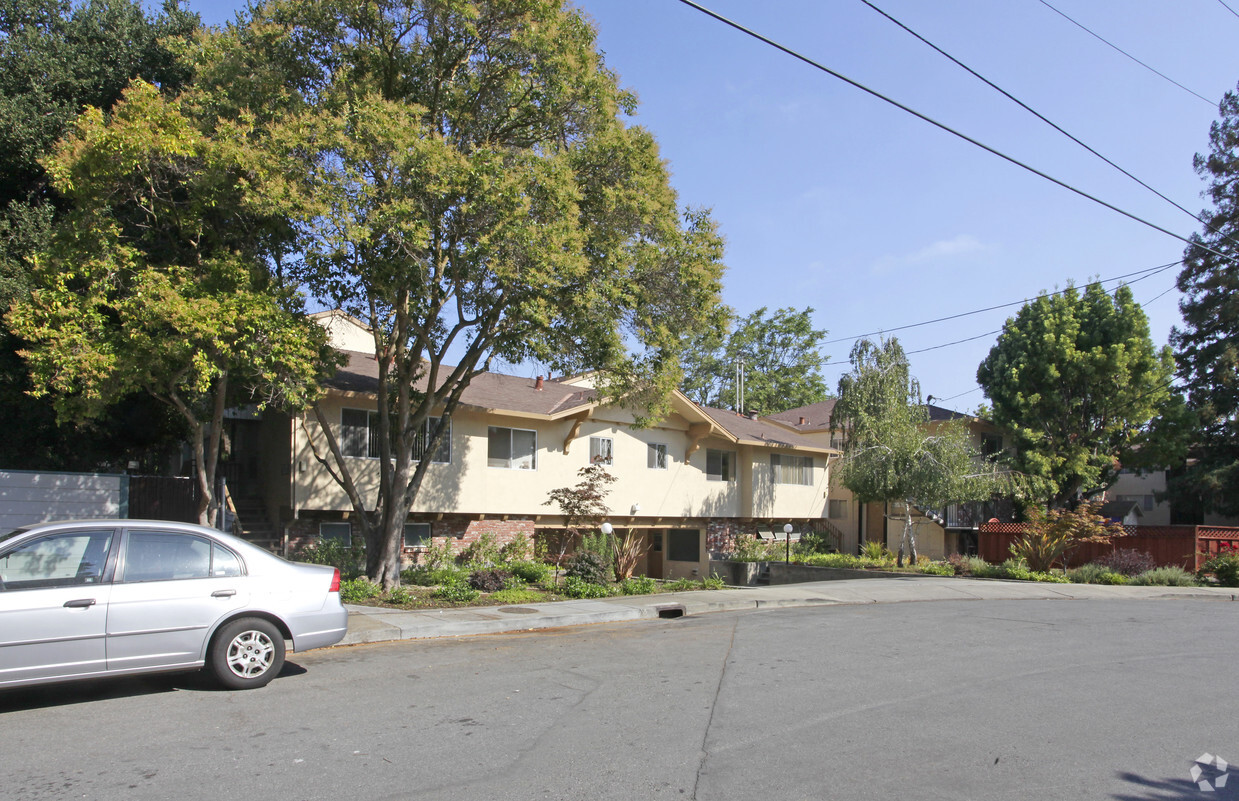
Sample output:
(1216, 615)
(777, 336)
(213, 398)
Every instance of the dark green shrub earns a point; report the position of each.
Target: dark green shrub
(531, 572)
(483, 552)
(1224, 568)
(517, 550)
(350, 559)
(589, 566)
(576, 587)
(488, 580)
(638, 585)
(456, 589)
(1095, 573)
(359, 590)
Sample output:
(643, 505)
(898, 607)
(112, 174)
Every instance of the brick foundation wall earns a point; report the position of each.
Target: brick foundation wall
(459, 530)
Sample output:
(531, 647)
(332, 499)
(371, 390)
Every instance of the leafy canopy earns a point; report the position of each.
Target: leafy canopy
(780, 355)
(1207, 346)
(462, 181)
(1076, 379)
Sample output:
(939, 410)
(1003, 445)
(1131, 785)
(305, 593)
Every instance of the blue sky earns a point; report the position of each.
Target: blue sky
(830, 198)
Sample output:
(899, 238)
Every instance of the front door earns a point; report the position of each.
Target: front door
(654, 559)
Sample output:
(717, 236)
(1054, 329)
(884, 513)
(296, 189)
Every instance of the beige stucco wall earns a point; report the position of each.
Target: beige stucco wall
(682, 490)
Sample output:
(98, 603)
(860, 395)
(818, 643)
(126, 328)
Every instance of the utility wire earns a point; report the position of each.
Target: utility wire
(1145, 273)
(1228, 8)
(1043, 118)
(1129, 55)
(947, 128)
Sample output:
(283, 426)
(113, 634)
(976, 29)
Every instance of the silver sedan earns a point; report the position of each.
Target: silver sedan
(94, 598)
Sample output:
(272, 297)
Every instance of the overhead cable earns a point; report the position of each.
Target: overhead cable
(1145, 273)
(947, 128)
(1228, 8)
(1129, 55)
(1042, 117)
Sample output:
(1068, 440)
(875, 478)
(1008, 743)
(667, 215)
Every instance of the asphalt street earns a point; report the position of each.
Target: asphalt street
(1030, 699)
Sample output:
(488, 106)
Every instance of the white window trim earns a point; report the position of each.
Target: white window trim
(430, 534)
(663, 451)
(510, 466)
(610, 460)
(730, 458)
(776, 471)
(371, 414)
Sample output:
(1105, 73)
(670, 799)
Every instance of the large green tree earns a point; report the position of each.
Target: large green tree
(1075, 378)
(465, 184)
(1207, 346)
(57, 58)
(891, 451)
(777, 352)
(157, 279)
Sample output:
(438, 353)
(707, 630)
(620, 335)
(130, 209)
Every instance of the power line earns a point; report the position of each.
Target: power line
(1124, 52)
(1042, 117)
(945, 127)
(1145, 273)
(1228, 8)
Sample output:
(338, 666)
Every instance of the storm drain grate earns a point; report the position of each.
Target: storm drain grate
(671, 611)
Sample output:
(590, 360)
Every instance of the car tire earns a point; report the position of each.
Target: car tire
(246, 653)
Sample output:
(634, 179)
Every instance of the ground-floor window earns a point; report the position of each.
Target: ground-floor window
(684, 545)
(416, 535)
(336, 532)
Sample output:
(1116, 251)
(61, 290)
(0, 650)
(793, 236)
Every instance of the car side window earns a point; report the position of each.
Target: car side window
(166, 555)
(224, 562)
(57, 560)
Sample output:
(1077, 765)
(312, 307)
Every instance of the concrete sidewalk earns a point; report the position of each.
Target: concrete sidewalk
(377, 624)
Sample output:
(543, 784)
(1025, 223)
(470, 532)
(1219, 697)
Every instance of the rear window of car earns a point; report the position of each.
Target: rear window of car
(170, 555)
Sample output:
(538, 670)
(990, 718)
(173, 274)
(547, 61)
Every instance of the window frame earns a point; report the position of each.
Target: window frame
(511, 459)
(103, 576)
(835, 503)
(372, 449)
(802, 465)
(348, 540)
(425, 541)
(124, 576)
(595, 454)
(727, 466)
(656, 456)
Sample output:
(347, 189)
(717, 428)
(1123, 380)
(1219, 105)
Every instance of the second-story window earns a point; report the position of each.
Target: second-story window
(656, 458)
(788, 469)
(512, 448)
(359, 437)
(600, 450)
(720, 465)
(838, 510)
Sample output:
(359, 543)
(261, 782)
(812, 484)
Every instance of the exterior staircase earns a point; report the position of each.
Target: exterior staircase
(251, 524)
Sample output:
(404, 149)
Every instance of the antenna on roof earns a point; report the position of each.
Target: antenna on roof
(740, 387)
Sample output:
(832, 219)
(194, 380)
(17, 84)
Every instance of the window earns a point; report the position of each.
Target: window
(359, 436)
(991, 444)
(59, 560)
(336, 532)
(720, 465)
(791, 469)
(838, 510)
(224, 562)
(683, 545)
(656, 457)
(166, 555)
(836, 441)
(512, 448)
(600, 450)
(416, 535)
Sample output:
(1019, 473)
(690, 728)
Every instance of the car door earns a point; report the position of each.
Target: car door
(53, 605)
(171, 588)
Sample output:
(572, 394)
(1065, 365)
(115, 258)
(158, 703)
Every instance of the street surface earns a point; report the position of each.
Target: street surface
(1027, 700)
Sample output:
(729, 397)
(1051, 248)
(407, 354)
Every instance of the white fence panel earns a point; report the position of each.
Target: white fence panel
(29, 497)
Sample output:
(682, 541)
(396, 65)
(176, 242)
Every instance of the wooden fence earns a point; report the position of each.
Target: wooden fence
(1186, 546)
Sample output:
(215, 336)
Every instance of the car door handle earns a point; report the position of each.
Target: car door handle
(80, 603)
(223, 593)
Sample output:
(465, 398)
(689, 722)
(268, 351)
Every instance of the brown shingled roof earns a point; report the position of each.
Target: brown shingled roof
(488, 391)
(759, 431)
(816, 416)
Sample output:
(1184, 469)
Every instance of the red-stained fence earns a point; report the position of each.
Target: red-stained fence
(1186, 546)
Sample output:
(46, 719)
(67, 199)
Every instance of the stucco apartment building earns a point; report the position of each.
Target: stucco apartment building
(687, 485)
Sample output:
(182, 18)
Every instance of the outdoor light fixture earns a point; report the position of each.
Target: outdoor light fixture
(607, 528)
(636, 507)
(787, 537)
